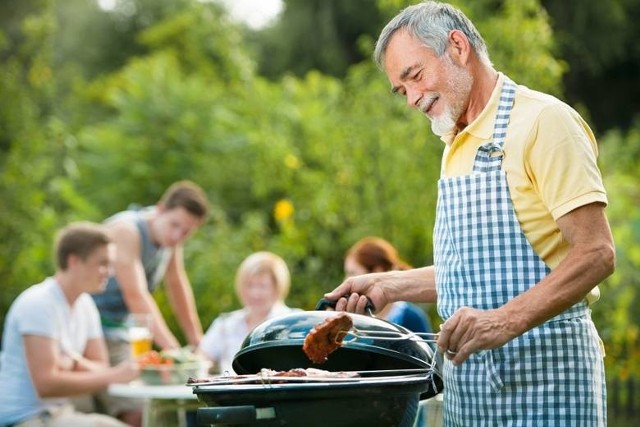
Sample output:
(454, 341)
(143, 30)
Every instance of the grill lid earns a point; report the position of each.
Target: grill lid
(277, 344)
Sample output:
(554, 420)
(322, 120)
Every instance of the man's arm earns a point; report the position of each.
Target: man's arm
(590, 260)
(52, 374)
(94, 358)
(133, 282)
(181, 298)
(417, 285)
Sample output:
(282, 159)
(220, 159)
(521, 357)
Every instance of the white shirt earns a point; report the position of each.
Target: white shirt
(41, 310)
(224, 337)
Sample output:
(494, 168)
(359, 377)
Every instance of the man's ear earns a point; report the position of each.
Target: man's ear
(72, 260)
(460, 48)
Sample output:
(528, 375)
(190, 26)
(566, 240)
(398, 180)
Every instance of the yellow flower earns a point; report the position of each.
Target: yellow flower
(291, 161)
(283, 210)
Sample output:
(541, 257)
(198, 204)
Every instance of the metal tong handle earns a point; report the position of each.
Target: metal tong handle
(428, 337)
(437, 358)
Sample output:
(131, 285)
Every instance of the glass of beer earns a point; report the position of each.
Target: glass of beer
(140, 337)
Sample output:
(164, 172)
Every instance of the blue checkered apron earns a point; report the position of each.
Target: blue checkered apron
(552, 375)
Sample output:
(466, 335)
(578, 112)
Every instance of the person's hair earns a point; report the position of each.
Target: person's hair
(375, 252)
(80, 239)
(186, 194)
(431, 22)
(265, 262)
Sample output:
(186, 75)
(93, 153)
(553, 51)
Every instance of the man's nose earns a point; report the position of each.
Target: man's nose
(413, 98)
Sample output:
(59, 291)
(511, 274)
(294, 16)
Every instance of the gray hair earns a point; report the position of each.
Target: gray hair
(431, 22)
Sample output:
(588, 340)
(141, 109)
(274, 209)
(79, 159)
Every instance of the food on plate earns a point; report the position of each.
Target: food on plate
(274, 377)
(326, 337)
(175, 356)
(154, 358)
(170, 366)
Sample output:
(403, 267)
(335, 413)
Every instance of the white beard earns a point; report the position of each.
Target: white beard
(444, 124)
(459, 85)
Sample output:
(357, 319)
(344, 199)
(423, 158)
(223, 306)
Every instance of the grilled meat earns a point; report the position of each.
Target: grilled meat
(326, 337)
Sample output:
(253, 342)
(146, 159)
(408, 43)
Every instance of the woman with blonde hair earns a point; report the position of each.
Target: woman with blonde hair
(262, 284)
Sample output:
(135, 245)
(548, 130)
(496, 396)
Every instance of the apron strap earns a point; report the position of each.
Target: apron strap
(489, 156)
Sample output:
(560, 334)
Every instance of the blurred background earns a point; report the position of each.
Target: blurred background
(276, 109)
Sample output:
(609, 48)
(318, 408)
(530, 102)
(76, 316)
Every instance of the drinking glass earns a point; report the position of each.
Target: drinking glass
(140, 338)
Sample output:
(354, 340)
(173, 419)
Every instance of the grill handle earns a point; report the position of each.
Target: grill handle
(325, 304)
(233, 415)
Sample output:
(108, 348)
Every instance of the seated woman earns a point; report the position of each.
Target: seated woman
(262, 284)
(373, 255)
(52, 344)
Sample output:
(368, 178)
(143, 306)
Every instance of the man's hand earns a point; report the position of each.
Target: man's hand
(125, 371)
(417, 285)
(354, 293)
(66, 362)
(470, 330)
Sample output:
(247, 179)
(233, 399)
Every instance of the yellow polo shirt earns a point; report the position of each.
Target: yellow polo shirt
(549, 159)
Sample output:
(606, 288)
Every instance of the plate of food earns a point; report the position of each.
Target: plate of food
(171, 367)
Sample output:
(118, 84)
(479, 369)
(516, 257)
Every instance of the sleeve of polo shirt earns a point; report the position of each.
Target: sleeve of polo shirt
(563, 161)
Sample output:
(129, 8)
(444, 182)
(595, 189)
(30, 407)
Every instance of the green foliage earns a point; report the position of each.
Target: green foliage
(599, 39)
(595, 32)
(205, 42)
(94, 41)
(521, 43)
(316, 35)
(157, 110)
(33, 155)
(617, 312)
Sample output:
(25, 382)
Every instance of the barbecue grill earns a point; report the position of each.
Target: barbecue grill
(395, 370)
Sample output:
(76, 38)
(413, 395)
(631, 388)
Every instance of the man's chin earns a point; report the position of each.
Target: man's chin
(443, 124)
(98, 289)
(439, 130)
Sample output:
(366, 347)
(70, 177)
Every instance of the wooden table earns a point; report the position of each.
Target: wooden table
(160, 402)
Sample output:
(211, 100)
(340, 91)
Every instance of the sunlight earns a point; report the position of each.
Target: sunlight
(255, 13)
(107, 4)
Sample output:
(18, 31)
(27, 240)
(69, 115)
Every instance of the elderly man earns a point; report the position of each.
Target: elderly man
(521, 238)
